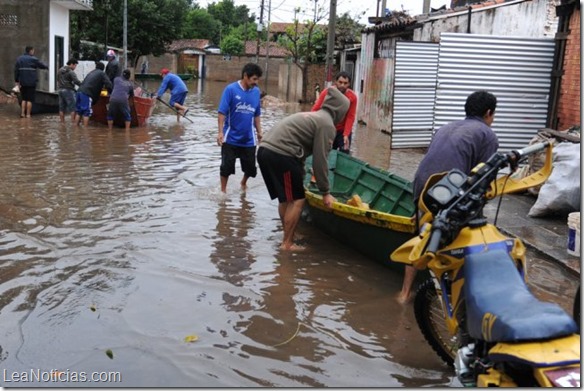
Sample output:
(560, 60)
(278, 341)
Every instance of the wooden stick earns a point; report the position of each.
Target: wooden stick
(173, 109)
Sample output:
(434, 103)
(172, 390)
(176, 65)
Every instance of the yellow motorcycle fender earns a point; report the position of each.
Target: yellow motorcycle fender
(411, 251)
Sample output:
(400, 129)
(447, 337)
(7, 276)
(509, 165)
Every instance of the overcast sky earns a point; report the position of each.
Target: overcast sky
(283, 10)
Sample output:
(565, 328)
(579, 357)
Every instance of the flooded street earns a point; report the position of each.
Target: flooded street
(116, 247)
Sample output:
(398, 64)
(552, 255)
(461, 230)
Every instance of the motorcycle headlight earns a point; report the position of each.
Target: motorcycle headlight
(445, 191)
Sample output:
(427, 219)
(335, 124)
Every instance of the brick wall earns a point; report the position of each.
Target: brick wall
(316, 74)
(219, 68)
(569, 101)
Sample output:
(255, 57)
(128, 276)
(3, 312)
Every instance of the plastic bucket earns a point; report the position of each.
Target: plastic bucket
(574, 234)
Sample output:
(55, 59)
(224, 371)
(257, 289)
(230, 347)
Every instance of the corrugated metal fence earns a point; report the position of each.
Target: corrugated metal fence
(416, 69)
(516, 70)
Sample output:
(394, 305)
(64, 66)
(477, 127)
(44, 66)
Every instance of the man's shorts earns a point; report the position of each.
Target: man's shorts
(282, 174)
(178, 98)
(246, 156)
(121, 109)
(27, 93)
(83, 105)
(66, 100)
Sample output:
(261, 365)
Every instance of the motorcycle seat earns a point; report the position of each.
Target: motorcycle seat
(500, 307)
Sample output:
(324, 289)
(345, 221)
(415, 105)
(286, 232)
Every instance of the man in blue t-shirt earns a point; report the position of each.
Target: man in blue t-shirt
(178, 92)
(239, 123)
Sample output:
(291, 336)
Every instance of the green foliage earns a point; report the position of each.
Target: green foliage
(246, 32)
(232, 45)
(201, 25)
(152, 25)
(347, 30)
(305, 42)
(229, 15)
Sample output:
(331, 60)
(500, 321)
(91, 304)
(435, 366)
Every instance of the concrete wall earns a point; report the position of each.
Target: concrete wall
(569, 101)
(17, 31)
(227, 69)
(59, 26)
(533, 19)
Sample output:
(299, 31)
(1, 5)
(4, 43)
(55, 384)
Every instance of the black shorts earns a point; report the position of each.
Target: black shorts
(282, 174)
(27, 93)
(246, 156)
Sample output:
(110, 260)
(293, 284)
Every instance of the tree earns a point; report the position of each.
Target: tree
(152, 25)
(306, 42)
(232, 45)
(347, 30)
(229, 15)
(202, 25)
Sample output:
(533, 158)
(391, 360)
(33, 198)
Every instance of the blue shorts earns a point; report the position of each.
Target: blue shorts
(66, 100)
(178, 98)
(117, 108)
(83, 105)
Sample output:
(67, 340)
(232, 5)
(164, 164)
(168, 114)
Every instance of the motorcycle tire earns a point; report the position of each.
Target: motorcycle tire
(430, 319)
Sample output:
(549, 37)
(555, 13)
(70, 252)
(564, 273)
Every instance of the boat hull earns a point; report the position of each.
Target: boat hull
(141, 110)
(375, 230)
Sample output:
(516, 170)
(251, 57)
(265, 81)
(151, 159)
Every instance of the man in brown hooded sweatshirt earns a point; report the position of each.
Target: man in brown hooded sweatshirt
(283, 151)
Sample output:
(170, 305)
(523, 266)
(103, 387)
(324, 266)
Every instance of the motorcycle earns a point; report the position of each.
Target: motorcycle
(475, 309)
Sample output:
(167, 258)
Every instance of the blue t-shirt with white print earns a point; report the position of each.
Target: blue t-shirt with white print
(240, 107)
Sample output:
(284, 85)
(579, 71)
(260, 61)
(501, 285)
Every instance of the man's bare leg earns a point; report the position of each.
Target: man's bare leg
(291, 218)
(409, 276)
(244, 182)
(28, 109)
(224, 183)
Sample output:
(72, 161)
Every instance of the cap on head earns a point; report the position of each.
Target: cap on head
(110, 53)
(164, 71)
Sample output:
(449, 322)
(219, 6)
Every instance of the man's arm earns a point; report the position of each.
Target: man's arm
(318, 104)
(221, 124)
(258, 126)
(350, 119)
(163, 87)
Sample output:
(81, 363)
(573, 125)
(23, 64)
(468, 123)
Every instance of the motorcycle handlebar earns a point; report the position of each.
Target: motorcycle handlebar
(532, 149)
(434, 242)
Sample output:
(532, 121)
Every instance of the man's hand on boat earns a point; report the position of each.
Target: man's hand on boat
(328, 200)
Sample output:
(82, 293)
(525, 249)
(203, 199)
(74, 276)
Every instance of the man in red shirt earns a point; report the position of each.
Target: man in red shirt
(344, 128)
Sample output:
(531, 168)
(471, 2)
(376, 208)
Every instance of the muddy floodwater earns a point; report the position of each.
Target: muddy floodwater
(120, 257)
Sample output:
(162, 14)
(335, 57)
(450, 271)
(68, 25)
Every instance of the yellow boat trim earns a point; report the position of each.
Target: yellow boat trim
(365, 216)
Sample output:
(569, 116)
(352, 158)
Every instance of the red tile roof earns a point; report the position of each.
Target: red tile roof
(184, 44)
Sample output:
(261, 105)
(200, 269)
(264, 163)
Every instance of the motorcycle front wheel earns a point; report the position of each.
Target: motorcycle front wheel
(430, 319)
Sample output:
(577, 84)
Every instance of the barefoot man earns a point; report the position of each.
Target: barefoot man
(284, 149)
(239, 123)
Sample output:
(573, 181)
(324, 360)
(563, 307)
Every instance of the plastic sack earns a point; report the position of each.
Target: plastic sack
(560, 194)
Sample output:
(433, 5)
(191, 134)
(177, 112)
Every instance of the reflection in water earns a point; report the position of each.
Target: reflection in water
(122, 241)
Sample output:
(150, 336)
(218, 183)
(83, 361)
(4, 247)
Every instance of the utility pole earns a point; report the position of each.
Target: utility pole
(125, 43)
(268, 44)
(330, 43)
(260, 27)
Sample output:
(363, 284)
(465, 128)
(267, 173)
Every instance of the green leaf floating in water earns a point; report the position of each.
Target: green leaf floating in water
(110, 354)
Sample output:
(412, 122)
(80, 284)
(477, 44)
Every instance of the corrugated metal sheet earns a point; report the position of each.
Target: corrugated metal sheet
(416, 68)
(516, 70)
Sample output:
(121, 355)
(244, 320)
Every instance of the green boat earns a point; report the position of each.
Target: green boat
(156, 76)
(374, 212)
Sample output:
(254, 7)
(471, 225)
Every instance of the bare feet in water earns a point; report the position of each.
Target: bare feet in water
(293, 247)
(403, 299)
